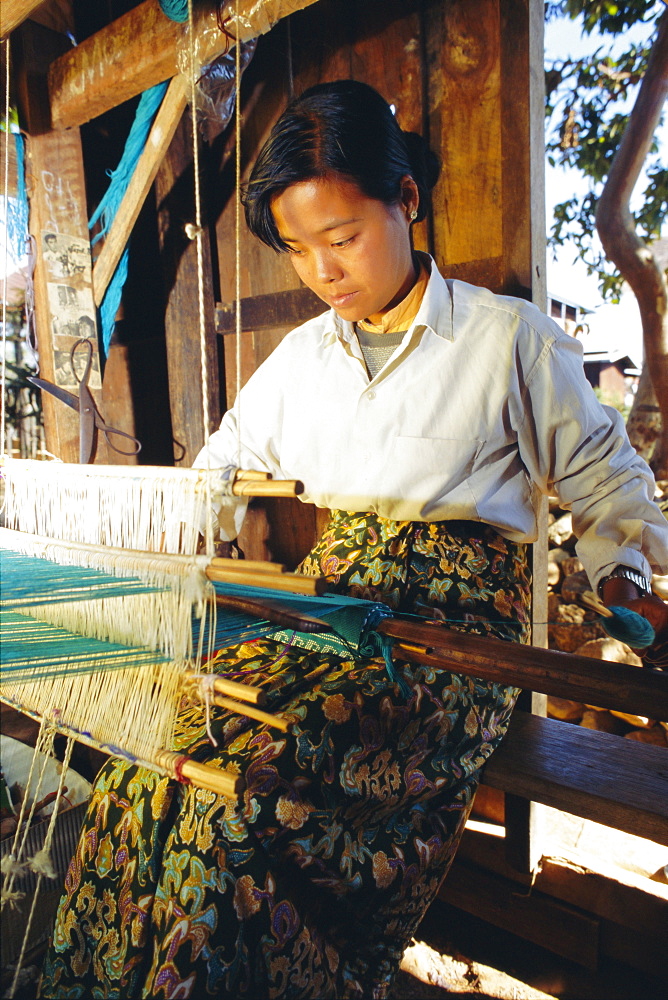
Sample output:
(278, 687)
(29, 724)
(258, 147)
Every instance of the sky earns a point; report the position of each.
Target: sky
(565, 278)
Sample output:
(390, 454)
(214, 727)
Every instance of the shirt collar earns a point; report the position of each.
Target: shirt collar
(435, 312)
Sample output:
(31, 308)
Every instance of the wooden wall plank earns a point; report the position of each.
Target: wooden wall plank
(463, 46)
(166, 122)
(594, 884)
(562, 929)
(632, 911)
(64, 307)
(523, 219)
(175, 196)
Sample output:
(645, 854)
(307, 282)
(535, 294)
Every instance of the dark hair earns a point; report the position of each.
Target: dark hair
(346, 128)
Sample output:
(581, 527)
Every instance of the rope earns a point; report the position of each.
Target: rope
(199, 236)
(12, 865)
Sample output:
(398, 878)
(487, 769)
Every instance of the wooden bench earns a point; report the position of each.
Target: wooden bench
(598, 776)
(592, 774)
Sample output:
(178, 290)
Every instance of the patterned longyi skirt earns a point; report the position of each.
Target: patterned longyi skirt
(314, 884)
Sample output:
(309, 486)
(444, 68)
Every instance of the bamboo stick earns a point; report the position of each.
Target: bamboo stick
(252, 573)
(244, 565)
(242, 708)
(312, 586)
(268, 488)
(165, 762)
(244, 486)
(212, 779)
(252, 474)
(590, 600)
(234, 689)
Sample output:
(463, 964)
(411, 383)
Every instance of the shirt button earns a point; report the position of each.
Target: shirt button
(371, 394)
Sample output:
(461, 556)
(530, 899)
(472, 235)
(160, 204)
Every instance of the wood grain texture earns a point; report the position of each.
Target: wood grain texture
(595, 884)
(139, 49)
(465, 112)
(595, 775)
(566, 675)
(174, 186)
(288, 308)
(162, 131)
(57, 196)
(14, 12)
(554, 925)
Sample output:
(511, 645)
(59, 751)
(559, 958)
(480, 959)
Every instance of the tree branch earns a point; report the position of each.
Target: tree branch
(617, 231)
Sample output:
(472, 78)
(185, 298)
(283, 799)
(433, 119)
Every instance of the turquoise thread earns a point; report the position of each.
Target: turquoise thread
(106, 211)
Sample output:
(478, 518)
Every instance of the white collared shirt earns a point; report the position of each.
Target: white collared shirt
(484, 397)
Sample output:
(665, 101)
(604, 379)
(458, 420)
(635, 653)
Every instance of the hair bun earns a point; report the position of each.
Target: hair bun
(424, 160)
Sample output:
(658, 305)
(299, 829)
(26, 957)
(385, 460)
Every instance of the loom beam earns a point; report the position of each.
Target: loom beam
(565, 675)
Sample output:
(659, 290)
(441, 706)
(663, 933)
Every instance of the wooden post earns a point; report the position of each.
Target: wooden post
(174, 193)
(523, 96)
(64, 307)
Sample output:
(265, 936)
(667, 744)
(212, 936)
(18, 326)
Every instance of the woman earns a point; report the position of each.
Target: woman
(421, 412)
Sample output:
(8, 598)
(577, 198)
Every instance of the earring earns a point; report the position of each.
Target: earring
(413, 215)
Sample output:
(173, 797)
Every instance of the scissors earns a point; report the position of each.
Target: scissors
(90, 419)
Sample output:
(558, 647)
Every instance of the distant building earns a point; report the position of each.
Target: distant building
(569, 315)
(609, 359)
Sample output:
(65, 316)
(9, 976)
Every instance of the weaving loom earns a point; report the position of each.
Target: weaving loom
(99, 634)
(101, 630)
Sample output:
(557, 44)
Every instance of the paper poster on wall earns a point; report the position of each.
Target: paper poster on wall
(71, 306)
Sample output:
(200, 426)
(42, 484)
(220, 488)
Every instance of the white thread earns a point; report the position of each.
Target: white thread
(43, 870)
(206, 687)
(199, 236)
(237, 229)
(3, 378)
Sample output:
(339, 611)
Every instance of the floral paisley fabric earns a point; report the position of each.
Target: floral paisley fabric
(314, 883)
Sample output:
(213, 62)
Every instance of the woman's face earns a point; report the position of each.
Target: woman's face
(354, 252)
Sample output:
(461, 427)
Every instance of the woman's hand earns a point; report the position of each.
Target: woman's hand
(620, 592)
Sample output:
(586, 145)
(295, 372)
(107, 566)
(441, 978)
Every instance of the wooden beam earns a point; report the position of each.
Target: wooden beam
(562, 929)
(261, 312)
(595, 775)
(566, 675)
(140, 49)
(591, 882)
(165, 125)
(465, 101)
(14, 12)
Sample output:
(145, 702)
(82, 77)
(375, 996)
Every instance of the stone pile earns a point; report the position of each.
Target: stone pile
(575, 629)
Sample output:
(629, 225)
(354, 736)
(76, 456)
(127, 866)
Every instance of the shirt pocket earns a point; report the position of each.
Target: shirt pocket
(438, 468)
